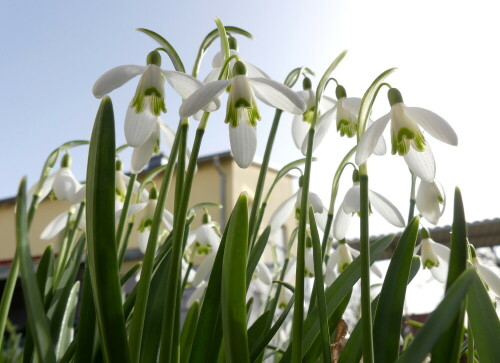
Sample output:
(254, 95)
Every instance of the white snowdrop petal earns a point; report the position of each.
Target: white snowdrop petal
(341, 223)
(143, 153)
(374, 268)
(316, 202)
(254, 71)
(434, 124)
(322, 127)
(55, 226)
(441, 251)
(370, 139)
(202, 97)
(321, 219)
(278, 95)
(168, 219)
(65, 185)
(44, 191)
(205, 234)
(427, 202)
(282, 213)
(115, 78)
(79, 196)
(422, 163)
(440, 273)
(352, 104)
(351, 203)
(139, 126)
(489, 276)
(263, 273)
(243, 140)
(332, 260)
(380, 148)
(300, 129)
(386, 209)
(142, 240)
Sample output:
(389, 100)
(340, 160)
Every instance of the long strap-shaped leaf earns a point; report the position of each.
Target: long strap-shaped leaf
(34, 304)
(233, 291)
(483, 321)
(101, 236)
(448, 348)
(387, 324)
(439, 321)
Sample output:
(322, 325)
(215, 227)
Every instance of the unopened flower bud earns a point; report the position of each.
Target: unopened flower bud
(239, 69)
(306, 83)
(340, 92)
(154, 58)
(394, 96)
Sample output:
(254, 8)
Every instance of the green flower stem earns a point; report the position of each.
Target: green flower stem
(67, 245)
(411, 211)
(253, 228)
(123, 249)
(7, 294)
(186, 276)
(123, 216)
(366, 311)
(298, 309)
(172, 300)
(137, 324)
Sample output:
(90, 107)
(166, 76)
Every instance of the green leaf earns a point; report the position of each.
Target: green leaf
(368, 99)
(336, 292)
(389, 314)
(33, 300)
(87, 323)
(167, 47)
(256, 253)
(320, 288)
(45, 271)
(233, 289)
(7, 294)
(483, 321)
(440, 320)
(101, 244)
(188, 331)
(353, 350)
(449, 344)
(67, 330)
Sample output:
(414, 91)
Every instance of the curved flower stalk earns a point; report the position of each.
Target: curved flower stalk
(351, 205)
(406, 136)
(218, 63)
(434, 256)
(302, 123)
(340, 258)
(431, 201)
(242, 113)
(149, 100)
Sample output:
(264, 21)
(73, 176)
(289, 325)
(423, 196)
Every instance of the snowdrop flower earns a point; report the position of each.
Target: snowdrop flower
(285, 210)
(218, 63)
(342, 257)
(347, 118)
(146, 213)
(430, 201)
(202, 242)
(149, 99)
(406, 136)
(434, 256)
(242, 113)
(302, 123)
(489, 276)
(351, 205)
(62, 183)
(58, 224)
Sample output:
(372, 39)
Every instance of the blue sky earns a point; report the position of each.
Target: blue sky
(446, 54)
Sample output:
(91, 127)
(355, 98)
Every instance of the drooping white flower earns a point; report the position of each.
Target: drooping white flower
(340, 258)
(351, 205)
(59, 223)
(434, 256)
(202, 242)
(490, 277)
(430, 201)
(242, 113)
(149, 100)
(302, 123)
(406, 136)
(285, 210)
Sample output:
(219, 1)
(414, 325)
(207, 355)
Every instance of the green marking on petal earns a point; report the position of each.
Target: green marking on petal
(430, 264)
(307, 116)
(146, 223)
(347, 128)
(241, 102)
(405, 138)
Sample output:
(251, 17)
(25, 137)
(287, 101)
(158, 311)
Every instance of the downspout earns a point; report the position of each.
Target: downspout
(222, 189)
